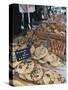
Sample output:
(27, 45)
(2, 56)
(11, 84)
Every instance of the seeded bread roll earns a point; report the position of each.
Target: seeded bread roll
(52, 77)
(36, 74)
(21, 67)
(25, 67)
(40, 52)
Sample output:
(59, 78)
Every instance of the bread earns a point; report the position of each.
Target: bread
(25, 67)
(36, 74)
(52, 77)
(14, 64)
(41, 52)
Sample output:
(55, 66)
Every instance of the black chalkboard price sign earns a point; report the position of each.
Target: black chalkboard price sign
(22, 54)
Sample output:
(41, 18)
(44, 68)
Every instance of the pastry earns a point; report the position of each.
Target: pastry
(51, 58)
(56, 81)
(25, 67)
(14, 64)
(21, 67)
(49, 74)
(22, 76)
(62, 80)
(56, 75)
(52, 77)
(56, 63)
(43, 60)
(30, 66)
(36, 74)
(46, 79)
(41, 52)
(40, 82)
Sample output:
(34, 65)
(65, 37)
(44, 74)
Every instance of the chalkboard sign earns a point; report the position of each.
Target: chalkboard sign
(23, 54)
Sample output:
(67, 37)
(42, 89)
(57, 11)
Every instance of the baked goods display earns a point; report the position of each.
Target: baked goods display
(51, 30)
(55, 34)
(57, 28)
(37, 45)
(46, 55)
(38, 75)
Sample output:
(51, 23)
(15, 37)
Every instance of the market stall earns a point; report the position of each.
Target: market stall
(39, 57)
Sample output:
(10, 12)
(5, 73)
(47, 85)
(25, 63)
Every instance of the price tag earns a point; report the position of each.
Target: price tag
(23, 54)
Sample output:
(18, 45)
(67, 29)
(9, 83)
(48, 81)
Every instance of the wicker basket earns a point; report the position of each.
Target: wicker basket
(56, 42)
